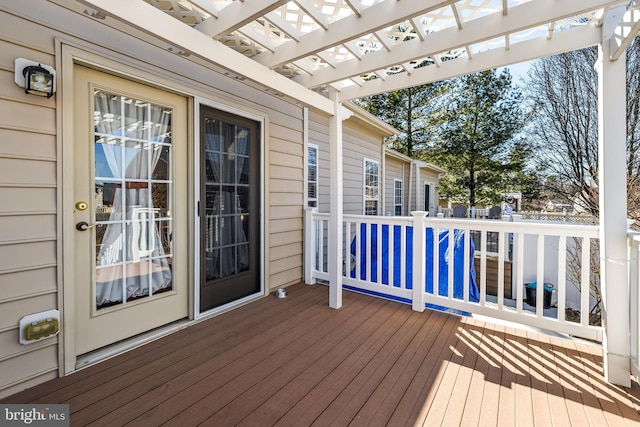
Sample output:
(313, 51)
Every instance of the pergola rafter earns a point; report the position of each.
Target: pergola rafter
(362, 47)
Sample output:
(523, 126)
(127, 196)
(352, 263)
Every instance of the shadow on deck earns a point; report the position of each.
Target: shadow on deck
(297, 362)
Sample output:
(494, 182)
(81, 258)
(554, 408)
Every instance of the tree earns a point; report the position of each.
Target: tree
(563, 89)
(406, 110)
(478, 123)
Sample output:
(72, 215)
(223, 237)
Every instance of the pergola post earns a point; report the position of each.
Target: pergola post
(335, 205)
(613, 215)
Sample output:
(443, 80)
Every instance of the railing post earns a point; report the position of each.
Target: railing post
(634, 307)
(612, 185)
(310, 245)
(419, 260)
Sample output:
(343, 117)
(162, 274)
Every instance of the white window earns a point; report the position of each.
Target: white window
(371, 189)
(312, 176)
(397, 197)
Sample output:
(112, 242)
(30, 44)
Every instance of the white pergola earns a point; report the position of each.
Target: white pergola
(319, 53)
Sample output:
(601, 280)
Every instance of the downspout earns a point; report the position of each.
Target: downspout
(410, 186)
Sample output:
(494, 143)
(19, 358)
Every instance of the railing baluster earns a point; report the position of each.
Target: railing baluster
(467, 254)
(320, 243)
(368, 252)
(562, 278)
(358, 251)
(403, 254)
(436, 261)
(450, 252)
(501, 238)
(585, 279)
(391, 254)
(483, 267)
(540, 276)
(379, 254)
(519, 272)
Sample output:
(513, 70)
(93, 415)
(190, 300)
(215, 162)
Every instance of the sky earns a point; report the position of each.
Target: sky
(518, 71)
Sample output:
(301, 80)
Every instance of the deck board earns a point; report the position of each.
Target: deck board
(297, 362)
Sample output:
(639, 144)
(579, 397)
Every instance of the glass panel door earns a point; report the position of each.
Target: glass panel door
(133, 197)
(230, 182)
(128, 170)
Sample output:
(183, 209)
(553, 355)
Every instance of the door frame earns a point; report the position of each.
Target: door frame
(199, 102)
(70, 56)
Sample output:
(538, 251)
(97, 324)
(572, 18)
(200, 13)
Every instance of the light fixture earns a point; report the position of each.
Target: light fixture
(38, 81)
(35, 78)
(94, 13)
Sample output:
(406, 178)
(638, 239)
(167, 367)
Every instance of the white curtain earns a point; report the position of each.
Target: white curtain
(223, 214)
(130, 249)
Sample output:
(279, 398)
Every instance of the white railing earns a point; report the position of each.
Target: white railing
(559, 256)
(634, 301)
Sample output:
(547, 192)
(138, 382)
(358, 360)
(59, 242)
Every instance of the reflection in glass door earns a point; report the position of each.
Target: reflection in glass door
(133, 196)
(229, 210)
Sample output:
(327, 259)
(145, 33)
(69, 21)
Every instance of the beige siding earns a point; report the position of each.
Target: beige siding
(319, 135)
(394, 170)
(29, 170)
(28, 219)
(358, 143)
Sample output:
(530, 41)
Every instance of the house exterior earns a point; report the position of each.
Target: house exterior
(410, 184)
(166, 178)
(39, 238)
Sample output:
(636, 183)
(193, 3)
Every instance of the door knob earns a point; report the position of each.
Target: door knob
(82, 226)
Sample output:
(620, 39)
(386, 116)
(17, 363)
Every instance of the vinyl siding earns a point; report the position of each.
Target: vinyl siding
(358, 143)
(28, 216)
(319, 135)
(393, 171)
(29, 171)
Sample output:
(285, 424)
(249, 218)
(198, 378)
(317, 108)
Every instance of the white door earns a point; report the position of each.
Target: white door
(130, 210)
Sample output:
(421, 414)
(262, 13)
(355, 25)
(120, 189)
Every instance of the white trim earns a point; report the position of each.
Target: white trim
(198, 102)
(364, 185)
(431, 185)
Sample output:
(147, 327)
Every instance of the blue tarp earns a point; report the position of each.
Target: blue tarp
(443, 261)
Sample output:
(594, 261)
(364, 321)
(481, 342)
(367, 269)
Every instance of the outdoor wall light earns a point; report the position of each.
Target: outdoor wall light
(35, 78)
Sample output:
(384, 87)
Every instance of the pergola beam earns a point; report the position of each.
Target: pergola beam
(625, 31)
(235, 16)
(162, 26)
(372, 19)
(524, 51)
(488, 27)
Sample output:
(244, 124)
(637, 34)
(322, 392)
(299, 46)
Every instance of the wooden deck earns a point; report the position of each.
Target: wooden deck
(296, 362)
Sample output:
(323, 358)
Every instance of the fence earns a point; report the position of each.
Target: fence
(384, 257)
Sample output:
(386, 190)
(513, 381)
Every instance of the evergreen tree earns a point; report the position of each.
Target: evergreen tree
(406, 110)
(477, 126)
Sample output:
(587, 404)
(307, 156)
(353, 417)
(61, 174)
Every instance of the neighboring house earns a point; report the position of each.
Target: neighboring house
(377, 180)
(410, 185)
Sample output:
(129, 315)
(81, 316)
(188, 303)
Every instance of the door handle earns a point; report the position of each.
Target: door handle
(83, 226)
